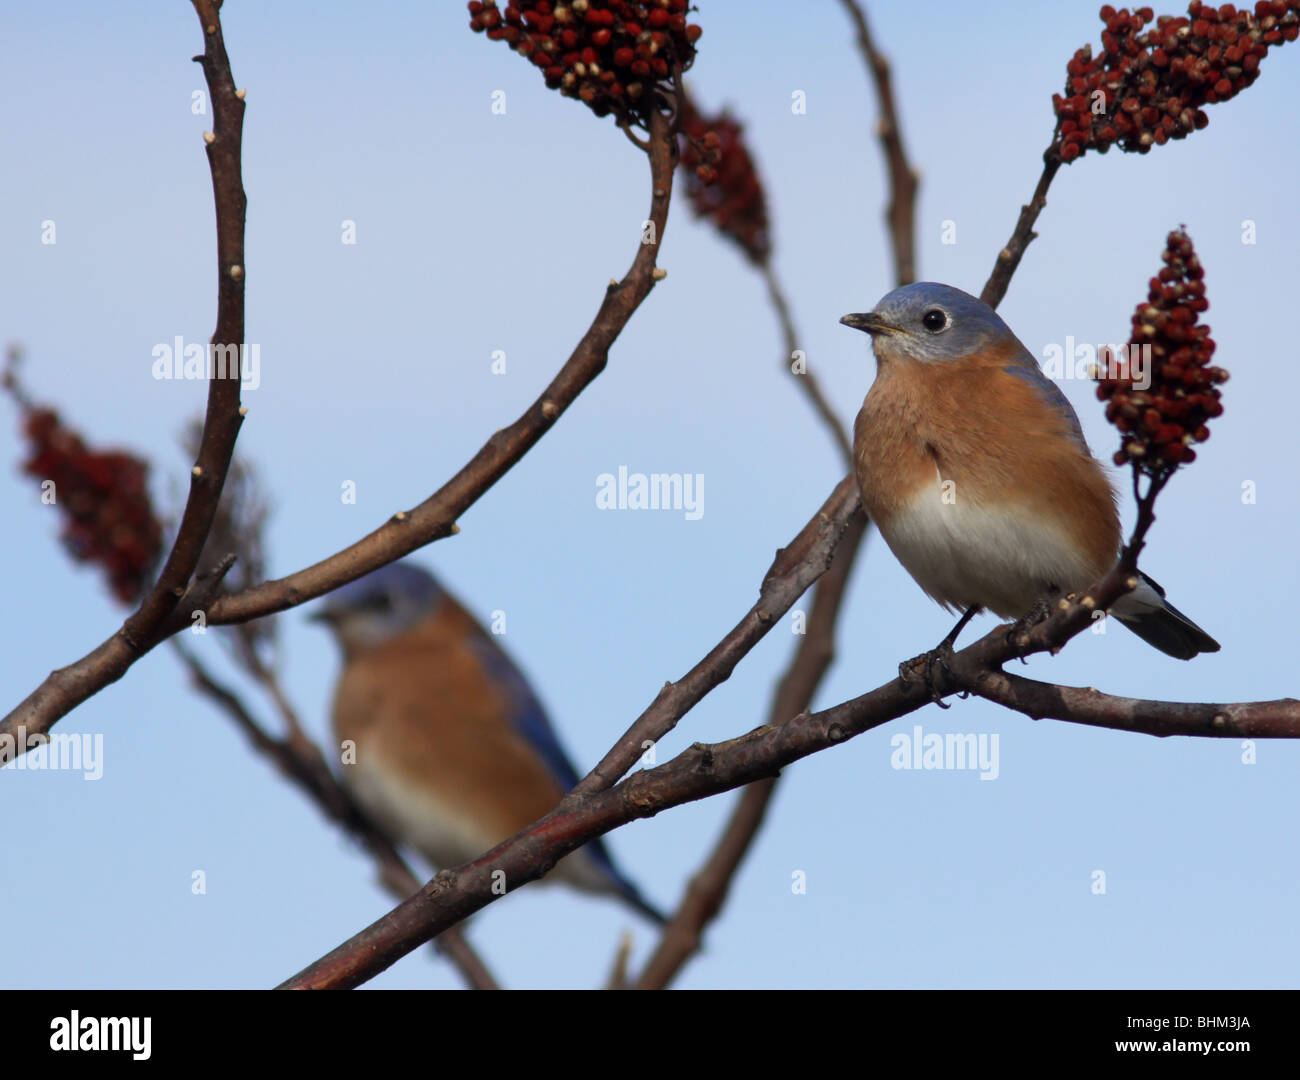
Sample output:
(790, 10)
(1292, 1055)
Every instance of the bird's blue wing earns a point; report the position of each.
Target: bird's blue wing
(1026, 368)
(526, 713)
(529, 719)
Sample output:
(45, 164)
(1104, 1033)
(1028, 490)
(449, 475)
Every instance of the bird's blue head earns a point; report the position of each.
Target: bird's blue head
(386, 602)
(931, 322)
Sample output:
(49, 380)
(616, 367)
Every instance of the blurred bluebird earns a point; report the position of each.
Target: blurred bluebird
(973, 466)
(454, 752)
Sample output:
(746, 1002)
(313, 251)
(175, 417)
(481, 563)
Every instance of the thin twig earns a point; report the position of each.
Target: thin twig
(1009, 257)
(900, 214)
(1089, 706)
(806, 379)
(793, 570)
(165, 605)
(269, 680)
(618, 970)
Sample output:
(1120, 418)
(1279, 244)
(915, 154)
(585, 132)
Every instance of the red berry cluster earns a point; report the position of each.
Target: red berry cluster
(109, 518)
(721, 180)
(1152, 84)
(108, 515)
(608, 53)
(1158, 424)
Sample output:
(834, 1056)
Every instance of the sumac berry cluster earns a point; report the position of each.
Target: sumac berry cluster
(1162, 411)
(1148, 83)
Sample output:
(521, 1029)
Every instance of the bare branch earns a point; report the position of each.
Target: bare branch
(66, 688)
(618, 970)
(795, 568)
(1009, 257)
(900, 215)
(807, 381)
(1086, 705)
(707, 892)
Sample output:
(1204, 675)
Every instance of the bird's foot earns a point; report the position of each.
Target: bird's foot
(1018, 631)
(927, 668)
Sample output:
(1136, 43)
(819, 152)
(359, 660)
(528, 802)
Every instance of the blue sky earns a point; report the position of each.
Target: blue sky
(478, 232)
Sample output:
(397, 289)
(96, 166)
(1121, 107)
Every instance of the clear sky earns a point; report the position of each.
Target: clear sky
(479, 232)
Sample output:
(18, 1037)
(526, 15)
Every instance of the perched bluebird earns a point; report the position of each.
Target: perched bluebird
(974, 467)
(454, 752)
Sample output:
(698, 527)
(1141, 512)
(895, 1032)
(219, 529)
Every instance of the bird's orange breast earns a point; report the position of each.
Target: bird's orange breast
(422, 708)
(971, 433)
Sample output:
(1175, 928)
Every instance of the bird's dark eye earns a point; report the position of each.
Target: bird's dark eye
(934, 320)
(381, 603)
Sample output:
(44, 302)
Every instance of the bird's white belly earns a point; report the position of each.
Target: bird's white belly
(965, 553)
(411, 815)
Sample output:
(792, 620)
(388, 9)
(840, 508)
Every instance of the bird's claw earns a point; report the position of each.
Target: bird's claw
(1018, 631)
(926, 666)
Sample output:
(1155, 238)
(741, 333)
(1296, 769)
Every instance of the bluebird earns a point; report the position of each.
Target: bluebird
(974, 467)
(453, 751)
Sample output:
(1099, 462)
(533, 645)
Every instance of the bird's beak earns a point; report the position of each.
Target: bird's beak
(870, 322)
(321, 615)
